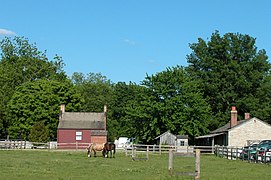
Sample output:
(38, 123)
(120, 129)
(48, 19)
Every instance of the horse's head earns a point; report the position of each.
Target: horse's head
(104, 152)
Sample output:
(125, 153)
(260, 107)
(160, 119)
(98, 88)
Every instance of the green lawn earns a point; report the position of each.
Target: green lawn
(36, 164)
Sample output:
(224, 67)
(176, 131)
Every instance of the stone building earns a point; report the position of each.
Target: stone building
(237, 133)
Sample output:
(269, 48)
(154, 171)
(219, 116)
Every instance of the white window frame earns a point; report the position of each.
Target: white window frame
(78, 135)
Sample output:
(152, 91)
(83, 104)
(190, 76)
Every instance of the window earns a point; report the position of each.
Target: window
(78, 136)
(181, 143)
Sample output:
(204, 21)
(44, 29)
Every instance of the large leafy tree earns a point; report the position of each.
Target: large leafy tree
(22, 62)
(119, 123)
(171, 101)
(96, 90)
(231, 72)
(38, 101)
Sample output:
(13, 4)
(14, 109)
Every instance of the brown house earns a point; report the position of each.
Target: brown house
(237, 133)
(81, 128)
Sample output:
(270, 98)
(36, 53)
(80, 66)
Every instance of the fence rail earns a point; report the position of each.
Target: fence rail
(141, 148)
(22, 144)
(195, 154)
(234, 153)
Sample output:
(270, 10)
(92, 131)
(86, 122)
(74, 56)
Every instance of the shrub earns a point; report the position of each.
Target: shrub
(39, 133)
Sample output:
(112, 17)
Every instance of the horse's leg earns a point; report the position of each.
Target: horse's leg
(114, 150)
(103, 152)
(88, 153)
(94, 152)
(106, 153)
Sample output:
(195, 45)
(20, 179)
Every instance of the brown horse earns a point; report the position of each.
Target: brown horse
(94, 147)
(109, 147)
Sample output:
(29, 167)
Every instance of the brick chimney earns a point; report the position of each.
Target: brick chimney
(247, 116)
(233, 117)
(105, 111)
(62, 108)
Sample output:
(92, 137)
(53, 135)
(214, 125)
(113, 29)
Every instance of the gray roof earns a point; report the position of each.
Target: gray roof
(182, 136)
(99, 133)
(82, 120)
(209, 135)
(178, 136)
(167, 132)
(226, 127)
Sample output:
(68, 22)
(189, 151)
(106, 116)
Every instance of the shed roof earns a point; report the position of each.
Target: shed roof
(182, 136)
(82, 120)
(167, 132)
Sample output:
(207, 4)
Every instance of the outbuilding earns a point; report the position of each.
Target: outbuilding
(167, 138)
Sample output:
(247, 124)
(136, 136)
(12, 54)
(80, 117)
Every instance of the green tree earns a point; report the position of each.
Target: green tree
(96, 90)
(39, 101)
(231, 71)
(170, 101)
(259, 103)
(39, 133)
(22, 62)
(119, 123)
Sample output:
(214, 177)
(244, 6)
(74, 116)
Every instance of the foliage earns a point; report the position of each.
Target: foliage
(96, 90)
(39, 101)
(39, 133)
(22, 62)
(119, 122)
(170, 101)
(231, 72)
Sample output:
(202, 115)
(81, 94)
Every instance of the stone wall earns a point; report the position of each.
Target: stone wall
(253, 129)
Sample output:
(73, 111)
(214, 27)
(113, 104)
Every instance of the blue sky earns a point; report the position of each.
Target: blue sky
(127, 39)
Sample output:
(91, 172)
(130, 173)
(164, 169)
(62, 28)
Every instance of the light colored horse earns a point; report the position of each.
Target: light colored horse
(95, 147)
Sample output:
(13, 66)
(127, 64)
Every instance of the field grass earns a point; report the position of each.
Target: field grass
(37, 164)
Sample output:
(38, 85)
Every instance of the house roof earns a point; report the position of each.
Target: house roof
(226, 127)
(82, 120)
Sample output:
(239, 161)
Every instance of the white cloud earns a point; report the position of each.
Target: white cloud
(130, 42)
(5, 32)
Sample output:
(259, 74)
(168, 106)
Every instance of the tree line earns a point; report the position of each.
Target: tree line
(223, 71)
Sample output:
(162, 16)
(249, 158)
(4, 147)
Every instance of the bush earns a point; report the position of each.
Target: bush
(39, 133)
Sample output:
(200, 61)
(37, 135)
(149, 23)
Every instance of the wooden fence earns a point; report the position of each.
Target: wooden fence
(234, 153)
(173, 171)
(22, 144)
(159, 149)
(15, 144)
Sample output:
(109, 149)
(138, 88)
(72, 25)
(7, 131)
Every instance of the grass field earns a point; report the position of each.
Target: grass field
(35, 164)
